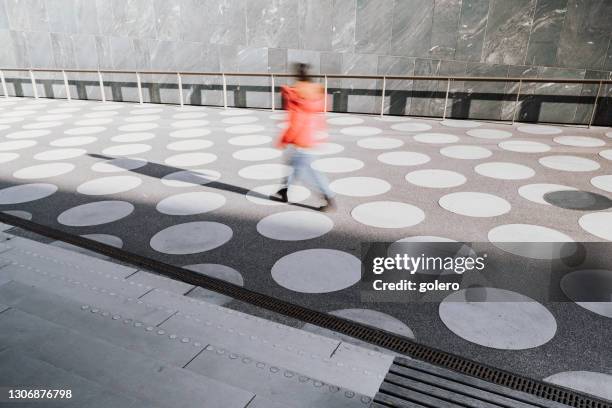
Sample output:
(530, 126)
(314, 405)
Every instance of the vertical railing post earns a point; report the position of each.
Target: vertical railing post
(4, 89)
(180, 87)
(272, 90)
(325, 92)
(140, 99)
(448, 82)
(224, 91)
(66, 86)
(33, 81)
(518, 94)
(101, 81)
(595, 104)
(382, 102)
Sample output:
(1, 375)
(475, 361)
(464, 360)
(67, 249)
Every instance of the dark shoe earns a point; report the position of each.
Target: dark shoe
(282, 194)
(330, 205)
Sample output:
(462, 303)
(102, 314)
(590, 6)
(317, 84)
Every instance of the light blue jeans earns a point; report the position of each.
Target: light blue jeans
(301, 161)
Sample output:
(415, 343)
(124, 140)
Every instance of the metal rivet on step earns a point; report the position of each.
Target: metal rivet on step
(220, 351)
(317, 383)
(149, 328)
(260, 365)
(105, 314)
(197, 344)
(84, 307)
(349, 394)
(209, 347)
(366, 399)
(127, 321)
(137, 324)
(303, 378)
(160, 332)
(185, 340)
(233, 356)
(274, 369)
(94, 310)
(333, 388)
(173, 336)
(288, 374)
(246, 360)
(116, 317)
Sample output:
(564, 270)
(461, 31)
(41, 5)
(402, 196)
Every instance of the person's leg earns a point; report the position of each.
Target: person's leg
(294, 163)
(319, 180)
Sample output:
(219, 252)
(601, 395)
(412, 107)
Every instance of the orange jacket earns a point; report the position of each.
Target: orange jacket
(304, 103)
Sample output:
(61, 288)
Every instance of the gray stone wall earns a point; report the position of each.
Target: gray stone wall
(519, 38)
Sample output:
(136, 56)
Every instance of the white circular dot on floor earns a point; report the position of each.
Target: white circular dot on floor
(345, 120)
(244, 129)
(609, 134)
(126, 149)
(190, 159)
(524, 146)
(189, 133)
(536, 192)
(104, 107)
(489, 133)
(74, 141)
(190, 178)
(376, 319)
(593, 383)
(27, 134)
(603, 182)
(460, 123)
(53, 118)
(94, 122)
(388, 214)
(337, 165)
(239, 120)
(235, 112)
(261, 194)
(504, 171)
(411, 127)
(7, 157)
(590, 289)
(256, 154)
(539, 129)
(187, 145)
(606, 154)
(102, 114)
(107, 239)
(393, 118)
(317, 271)
(473, 204)
(569, 163)
(138, 127)
(191, 238)
(598, 224)
(436, 138)
(265, 171)
(194, 123)
(109, 185)
(191, 203)
(380, 143)
(360, 131)
(435, 178)
(360, 186)
(89, 130)
(3, 127)
(518, 239)
(294, 225)
(42, 125)
(146, 111)
(17, 113)
(42, 171)
(403, 158)
(279, 116)
(118, 165)
(579, 141)
(325, 149)
(216, 271)
(96, 213)
(16, 145)
(250, 140)
(190, 115)
(465, 152)
(133, 137)
(506, 320)
(26, 192)
(142, 118)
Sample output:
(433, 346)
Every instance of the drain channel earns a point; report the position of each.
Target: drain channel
(357, 330)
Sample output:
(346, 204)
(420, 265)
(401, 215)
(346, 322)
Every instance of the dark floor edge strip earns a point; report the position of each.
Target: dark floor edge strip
(369, 334)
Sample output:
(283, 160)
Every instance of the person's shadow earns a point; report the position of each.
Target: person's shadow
(161, 170)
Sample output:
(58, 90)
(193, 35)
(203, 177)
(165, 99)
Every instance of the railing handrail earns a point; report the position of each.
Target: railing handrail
(336, 76)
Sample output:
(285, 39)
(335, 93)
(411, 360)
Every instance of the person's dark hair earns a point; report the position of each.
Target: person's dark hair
(301, 71)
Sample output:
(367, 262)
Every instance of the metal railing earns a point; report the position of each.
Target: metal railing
(325, 77)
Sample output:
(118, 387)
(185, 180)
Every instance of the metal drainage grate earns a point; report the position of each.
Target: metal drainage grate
(378, 337)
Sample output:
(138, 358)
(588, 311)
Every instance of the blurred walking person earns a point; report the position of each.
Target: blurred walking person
(305, 103)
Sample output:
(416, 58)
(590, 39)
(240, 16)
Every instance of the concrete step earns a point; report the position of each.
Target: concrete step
(19, 371)
(120, 370)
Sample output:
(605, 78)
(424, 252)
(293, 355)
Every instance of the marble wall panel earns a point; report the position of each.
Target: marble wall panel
(397, 92)
(372, 26)
(4, 21)
(312, 58)
(507, 33)
(588, 92)
(412, 27)
(424, 90)
(168, 19)
(104, 52)
(343, 25)
(62, 16)
(558, 101)
(457, 104)
(608, 62)
(27, 15)
(471, 32)
(7, 53)
(225, 22)
(485, 99)
(316, 23)
(586, 34)
(444, 29)
(548, 21)
(86, 15)
(134, 18)
(39, 45)
(106, 25)
(273, 23)
(277, 60)
(511, 107)
(85, 51)
(63, 50)
(358, 95)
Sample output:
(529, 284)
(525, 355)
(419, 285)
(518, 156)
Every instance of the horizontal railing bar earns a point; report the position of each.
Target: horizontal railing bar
(329, 76)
